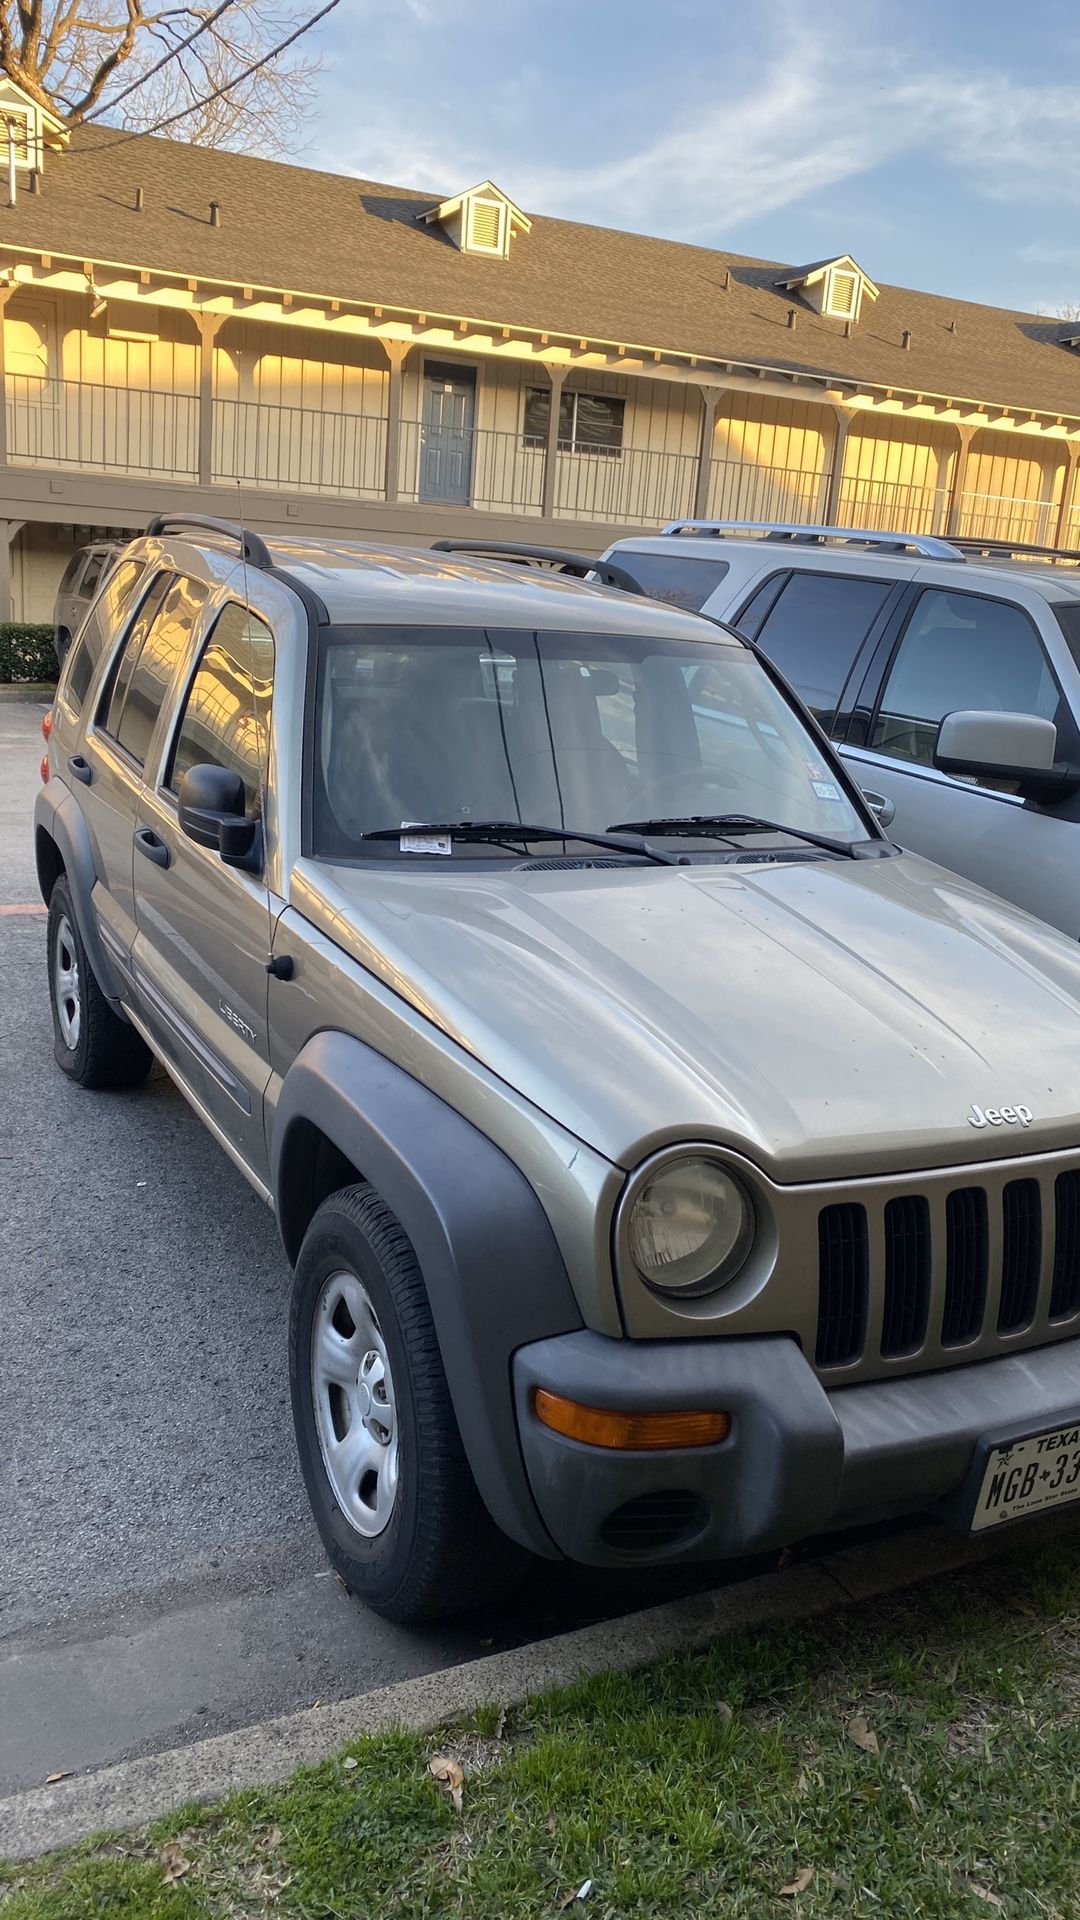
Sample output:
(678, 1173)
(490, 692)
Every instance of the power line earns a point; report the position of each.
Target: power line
(172, 54)
(144, 133)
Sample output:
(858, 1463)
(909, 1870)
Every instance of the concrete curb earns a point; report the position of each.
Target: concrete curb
(37, 692)
(135, 1791)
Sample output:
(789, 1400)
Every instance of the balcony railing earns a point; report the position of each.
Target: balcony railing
(146, 433)
(884, 506)
(988, 516)
(305, 449)
(76, 423)
(742, 490)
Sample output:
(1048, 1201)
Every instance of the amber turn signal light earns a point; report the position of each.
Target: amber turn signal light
(635, 1432)
(44, 769)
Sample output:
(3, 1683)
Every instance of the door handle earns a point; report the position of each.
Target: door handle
(81, 769)
(883, 809)
(152, 845)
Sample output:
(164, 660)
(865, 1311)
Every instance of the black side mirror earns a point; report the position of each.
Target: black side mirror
(211, 812)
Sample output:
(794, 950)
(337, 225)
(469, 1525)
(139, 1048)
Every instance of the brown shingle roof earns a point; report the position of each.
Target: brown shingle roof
(320, 233)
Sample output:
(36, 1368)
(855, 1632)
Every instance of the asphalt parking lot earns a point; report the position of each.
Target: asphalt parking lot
(160, 1577)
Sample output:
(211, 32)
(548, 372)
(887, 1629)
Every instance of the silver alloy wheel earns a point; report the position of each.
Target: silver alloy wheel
(355, 1408)
(66, 992)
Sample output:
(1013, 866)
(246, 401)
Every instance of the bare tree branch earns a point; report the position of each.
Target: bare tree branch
(78, 57)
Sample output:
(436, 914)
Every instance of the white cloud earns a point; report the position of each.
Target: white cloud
(836, 99)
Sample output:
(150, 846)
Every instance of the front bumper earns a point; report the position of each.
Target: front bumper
(798, 1460)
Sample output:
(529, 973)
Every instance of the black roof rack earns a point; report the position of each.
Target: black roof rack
(1015, 549)
(252, 549)
(605, 571)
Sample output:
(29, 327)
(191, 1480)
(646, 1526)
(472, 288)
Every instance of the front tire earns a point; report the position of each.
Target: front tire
(92, 1044)
(390, 1487)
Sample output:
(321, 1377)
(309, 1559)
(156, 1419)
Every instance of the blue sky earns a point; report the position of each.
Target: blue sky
(937, 142)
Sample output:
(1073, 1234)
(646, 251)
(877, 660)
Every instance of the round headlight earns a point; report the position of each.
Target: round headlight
(690, 1227)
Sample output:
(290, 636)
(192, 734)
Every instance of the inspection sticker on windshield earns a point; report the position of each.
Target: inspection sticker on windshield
(825, 790)
(423, 842)
(1027, 1476)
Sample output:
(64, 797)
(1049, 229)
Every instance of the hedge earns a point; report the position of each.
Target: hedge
(26, 652)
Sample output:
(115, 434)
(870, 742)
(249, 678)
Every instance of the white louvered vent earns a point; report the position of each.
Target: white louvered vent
(842, 295)
(485, 227)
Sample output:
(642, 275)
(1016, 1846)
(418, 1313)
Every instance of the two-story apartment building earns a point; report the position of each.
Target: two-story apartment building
(198, 329)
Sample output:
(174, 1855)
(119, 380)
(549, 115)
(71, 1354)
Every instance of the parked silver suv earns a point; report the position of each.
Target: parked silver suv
(670, 1167)
(947, 673)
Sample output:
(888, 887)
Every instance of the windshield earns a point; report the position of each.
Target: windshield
(424, 725)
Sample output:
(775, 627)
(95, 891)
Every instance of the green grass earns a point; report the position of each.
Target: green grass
(699, 1787)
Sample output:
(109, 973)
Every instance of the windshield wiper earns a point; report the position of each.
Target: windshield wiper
(709, 825)
(497, 832)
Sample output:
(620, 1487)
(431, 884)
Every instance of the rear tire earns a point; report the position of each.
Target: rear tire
(92, 1044)
(390, 1487)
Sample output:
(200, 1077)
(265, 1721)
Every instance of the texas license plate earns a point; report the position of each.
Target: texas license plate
(1029, 1476)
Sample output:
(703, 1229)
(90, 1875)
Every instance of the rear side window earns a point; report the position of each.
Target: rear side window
(682, 579)
(98, 629)
(1069, 621)
(962, 651)
(815, 629)
(226, 714)
(163, 647)
(94, 565)
(67, 578)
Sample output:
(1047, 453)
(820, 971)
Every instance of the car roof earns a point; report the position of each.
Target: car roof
(1056, 580)
(361, 582)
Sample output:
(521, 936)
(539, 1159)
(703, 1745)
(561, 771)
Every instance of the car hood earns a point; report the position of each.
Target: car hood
(825, 1018)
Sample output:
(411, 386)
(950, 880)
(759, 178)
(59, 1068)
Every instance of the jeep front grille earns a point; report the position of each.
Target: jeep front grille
(1065, 1291)
(956, 1271)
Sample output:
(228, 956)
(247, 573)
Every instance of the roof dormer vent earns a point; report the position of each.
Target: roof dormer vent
(836, 288)
(481, 220)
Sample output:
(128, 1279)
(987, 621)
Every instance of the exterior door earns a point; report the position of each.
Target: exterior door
(961, 651)
(203, 928)
(446, 437)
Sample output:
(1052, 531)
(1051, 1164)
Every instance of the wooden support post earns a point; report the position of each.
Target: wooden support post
(6, 527)
(710, 406)
(209, 326)
(395, 351)
(551, 446)
(5, 296)
(956, 491)
(836, 470)
(1068, 493)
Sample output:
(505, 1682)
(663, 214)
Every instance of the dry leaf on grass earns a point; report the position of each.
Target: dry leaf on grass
(444, 1768)
(52, 1778)
(984, 1893)
(799, 1884)
(552, 1823)
(174, 1862)
(349, 1762)
(723, 1711)
(863, 1735)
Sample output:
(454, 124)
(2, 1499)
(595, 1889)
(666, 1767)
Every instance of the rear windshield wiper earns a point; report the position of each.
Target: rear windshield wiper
(709, 825)
(498, 832)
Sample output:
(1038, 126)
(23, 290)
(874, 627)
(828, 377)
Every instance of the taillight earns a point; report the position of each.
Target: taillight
(44, 767)
(46, 724)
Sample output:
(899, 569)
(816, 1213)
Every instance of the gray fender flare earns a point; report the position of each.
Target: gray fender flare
(57, 815)
(494, 1275)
